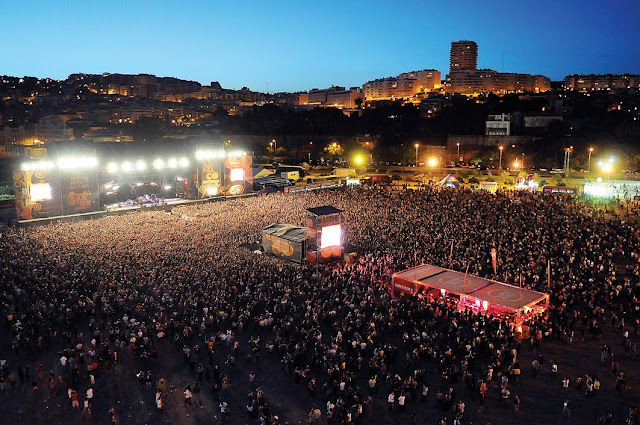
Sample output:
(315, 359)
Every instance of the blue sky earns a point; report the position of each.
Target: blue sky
(299, 45)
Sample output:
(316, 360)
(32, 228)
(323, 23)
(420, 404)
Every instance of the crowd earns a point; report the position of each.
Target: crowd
(211, 330)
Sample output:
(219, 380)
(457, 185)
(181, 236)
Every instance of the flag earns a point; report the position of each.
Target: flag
(451, 253)
(549, 272)
(494, 257)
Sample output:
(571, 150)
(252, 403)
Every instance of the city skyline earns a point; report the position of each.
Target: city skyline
(287, 48)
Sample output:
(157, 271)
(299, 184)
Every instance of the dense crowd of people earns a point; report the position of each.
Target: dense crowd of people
(212, 330)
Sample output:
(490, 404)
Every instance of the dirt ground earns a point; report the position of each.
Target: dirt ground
(541, 397)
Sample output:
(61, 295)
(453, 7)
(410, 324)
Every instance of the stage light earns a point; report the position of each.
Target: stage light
(184, 162)
(112, 167)
(126, 166)
(212, 190)
(432, 162)
(359, 159)
(172, 162)
(36, 165)
(70, 163)
(158, 164)
(140, 165)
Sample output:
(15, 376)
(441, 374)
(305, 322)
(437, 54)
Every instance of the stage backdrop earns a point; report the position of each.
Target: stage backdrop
(37, 194)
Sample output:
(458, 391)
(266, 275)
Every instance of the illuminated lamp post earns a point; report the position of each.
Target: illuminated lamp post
(501, 148)
(458, 145)
(589, 161)
(417, 145)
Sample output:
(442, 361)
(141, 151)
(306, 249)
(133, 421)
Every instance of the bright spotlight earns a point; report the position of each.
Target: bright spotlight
(432, 162)
(212, 190)
(158, 164)
(184, 162)
(359, 159)
(112, 167)
(140, 165)
(126, 166)
(173, 163)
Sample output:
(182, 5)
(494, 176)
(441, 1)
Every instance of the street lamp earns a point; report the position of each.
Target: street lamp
(589, 162)
(417, 145)
(501, 148)
(522, 161)
(458, 145)
(607, 167)
(275, 145)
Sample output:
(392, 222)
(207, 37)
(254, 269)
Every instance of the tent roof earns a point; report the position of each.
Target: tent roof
(509, 296)
(286, 231)
(324, 210)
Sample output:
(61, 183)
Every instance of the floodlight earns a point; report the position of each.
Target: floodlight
(112, 167)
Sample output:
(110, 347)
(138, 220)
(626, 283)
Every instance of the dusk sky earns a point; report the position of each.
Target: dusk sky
(299, 45)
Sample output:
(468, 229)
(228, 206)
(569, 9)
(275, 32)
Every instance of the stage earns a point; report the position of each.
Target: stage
(118, 209)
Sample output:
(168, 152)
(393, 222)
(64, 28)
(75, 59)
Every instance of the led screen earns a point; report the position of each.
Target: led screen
(39, 192)
(330, 236)
(236, 174)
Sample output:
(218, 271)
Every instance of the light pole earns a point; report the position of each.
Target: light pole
(501, 148)
(589, 162)
(522, 161)
(275, 145)
(458, 145)
(567, 158)
(417, 145)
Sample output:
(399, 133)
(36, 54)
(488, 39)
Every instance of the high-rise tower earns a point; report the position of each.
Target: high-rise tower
(464, 56)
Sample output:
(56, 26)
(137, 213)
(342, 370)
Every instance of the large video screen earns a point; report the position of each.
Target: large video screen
(331, 236)
(39, 192)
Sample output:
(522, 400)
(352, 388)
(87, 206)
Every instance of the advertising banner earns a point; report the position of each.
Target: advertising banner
(37, 194)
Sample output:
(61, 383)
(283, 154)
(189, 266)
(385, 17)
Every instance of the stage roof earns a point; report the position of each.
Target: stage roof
(497, 293)
(325, 210)
(286, 231)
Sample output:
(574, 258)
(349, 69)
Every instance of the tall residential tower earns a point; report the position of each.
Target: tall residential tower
(464, 56)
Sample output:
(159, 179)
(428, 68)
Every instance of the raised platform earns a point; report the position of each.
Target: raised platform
(118, 209)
